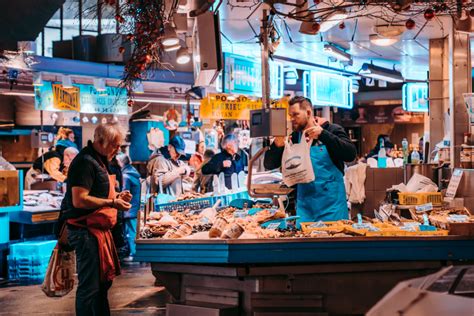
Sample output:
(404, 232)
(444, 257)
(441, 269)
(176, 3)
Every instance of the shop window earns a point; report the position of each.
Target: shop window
(50, 35)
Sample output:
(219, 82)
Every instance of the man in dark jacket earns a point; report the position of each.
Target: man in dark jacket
(227, 161)
(325, 197)
(131, 183)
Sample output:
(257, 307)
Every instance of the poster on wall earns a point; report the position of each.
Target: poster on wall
(387, 114)
(82, 98)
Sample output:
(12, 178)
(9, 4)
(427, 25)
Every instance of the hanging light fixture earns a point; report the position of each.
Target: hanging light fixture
(172, 48)
(383, 41)
(380, 73)
(336, 52)
(170, 38)
(182, 56)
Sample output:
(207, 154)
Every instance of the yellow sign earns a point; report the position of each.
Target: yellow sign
(227, 107)
(66, 99)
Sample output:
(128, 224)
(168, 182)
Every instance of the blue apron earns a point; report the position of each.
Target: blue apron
(324, 199)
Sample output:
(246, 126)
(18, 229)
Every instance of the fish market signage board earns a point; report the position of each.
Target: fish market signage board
(82, 98)
(225, 107)
(243, 75)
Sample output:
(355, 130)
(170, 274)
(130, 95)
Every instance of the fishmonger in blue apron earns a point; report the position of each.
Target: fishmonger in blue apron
(323, 199)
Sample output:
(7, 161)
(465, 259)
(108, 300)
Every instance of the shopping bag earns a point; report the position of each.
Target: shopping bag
(296, 163)
(59, 279)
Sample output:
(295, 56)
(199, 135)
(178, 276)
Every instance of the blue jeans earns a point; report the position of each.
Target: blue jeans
(130, 229)
(91, 295)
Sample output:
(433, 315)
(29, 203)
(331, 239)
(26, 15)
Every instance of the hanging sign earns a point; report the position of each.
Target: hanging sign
(329, 89)
(225, 107)
(415, 97)
(66, 99)
(243, 75)
(82, 98)
(469, 100)
(453, 185)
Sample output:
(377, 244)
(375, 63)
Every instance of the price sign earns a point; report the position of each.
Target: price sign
(453, 185)
(424, 208)
(273, 226)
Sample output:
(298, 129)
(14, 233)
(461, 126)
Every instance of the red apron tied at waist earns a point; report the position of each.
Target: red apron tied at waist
(99, 224)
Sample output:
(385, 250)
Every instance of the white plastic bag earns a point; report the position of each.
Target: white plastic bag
(296, 163)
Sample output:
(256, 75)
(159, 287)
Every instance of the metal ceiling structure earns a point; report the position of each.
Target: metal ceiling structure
(240, 27)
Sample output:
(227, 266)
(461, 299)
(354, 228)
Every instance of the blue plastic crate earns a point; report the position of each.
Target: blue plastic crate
(195, 204)
(33, 249)
(27, 273)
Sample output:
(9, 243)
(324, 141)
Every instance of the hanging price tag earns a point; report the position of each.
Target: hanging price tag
(453, 185)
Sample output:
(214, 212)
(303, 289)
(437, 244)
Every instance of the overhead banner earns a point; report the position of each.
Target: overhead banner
(243, 75)
(82, 98)
(225, 107)
(66, 99)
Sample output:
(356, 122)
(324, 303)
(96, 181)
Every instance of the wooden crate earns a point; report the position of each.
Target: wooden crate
(9, 188)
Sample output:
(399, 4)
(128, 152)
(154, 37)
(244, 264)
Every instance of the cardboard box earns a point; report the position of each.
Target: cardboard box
(9, 188)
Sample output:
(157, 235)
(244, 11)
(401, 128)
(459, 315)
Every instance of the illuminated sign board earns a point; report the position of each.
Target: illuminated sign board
(329, 89)
(243, 75)
(52, 97)
(415, 97)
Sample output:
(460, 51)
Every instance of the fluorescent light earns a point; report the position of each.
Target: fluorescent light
(38, 79)
(332, 20)
(182, 56)
(99, 84)
(383, 41)
(166, 101)
(66, 80)
(379, 73)
(291, 75)
(337, 53)
(22, 94)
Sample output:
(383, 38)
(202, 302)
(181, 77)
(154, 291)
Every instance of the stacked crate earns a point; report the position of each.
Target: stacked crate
(28, 261)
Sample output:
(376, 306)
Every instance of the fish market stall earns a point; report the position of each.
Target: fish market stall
(255, 261)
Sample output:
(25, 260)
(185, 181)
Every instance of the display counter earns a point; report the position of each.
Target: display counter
(295, 275)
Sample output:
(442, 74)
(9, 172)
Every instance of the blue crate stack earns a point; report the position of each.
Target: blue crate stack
(28, 261)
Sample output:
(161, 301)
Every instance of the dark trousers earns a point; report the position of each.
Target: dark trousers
(91, 295)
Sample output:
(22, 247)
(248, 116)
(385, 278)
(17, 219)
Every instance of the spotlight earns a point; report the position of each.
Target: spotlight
(94, 120)
(104, 120)
(85, 119)
(291, 75)
(182, 56)
(170, 38)
(66, 80)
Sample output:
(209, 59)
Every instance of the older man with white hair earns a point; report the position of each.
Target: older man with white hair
(90, 211)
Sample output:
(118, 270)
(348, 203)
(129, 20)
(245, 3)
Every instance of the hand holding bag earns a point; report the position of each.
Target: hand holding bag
(296, 163)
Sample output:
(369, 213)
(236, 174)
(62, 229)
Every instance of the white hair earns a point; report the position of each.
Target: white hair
(107, 133)
(71, 152)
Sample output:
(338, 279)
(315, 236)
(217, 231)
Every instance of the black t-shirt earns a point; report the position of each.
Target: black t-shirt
(88, 170)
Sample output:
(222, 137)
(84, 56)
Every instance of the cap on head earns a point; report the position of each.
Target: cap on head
(178, 143)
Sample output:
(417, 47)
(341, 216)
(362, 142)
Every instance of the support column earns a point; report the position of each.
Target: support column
(449, 78)
(460, 83)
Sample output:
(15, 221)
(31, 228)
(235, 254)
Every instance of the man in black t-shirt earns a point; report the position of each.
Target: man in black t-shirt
(87, 191)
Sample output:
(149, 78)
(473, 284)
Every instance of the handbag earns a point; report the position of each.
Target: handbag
(296, 163)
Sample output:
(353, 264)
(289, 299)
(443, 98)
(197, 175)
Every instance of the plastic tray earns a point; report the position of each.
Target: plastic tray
(406, 198)
(30, 249)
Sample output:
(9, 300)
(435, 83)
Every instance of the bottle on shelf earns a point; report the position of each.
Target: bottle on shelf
(382, 155)
(415, 156)
(405, 150)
